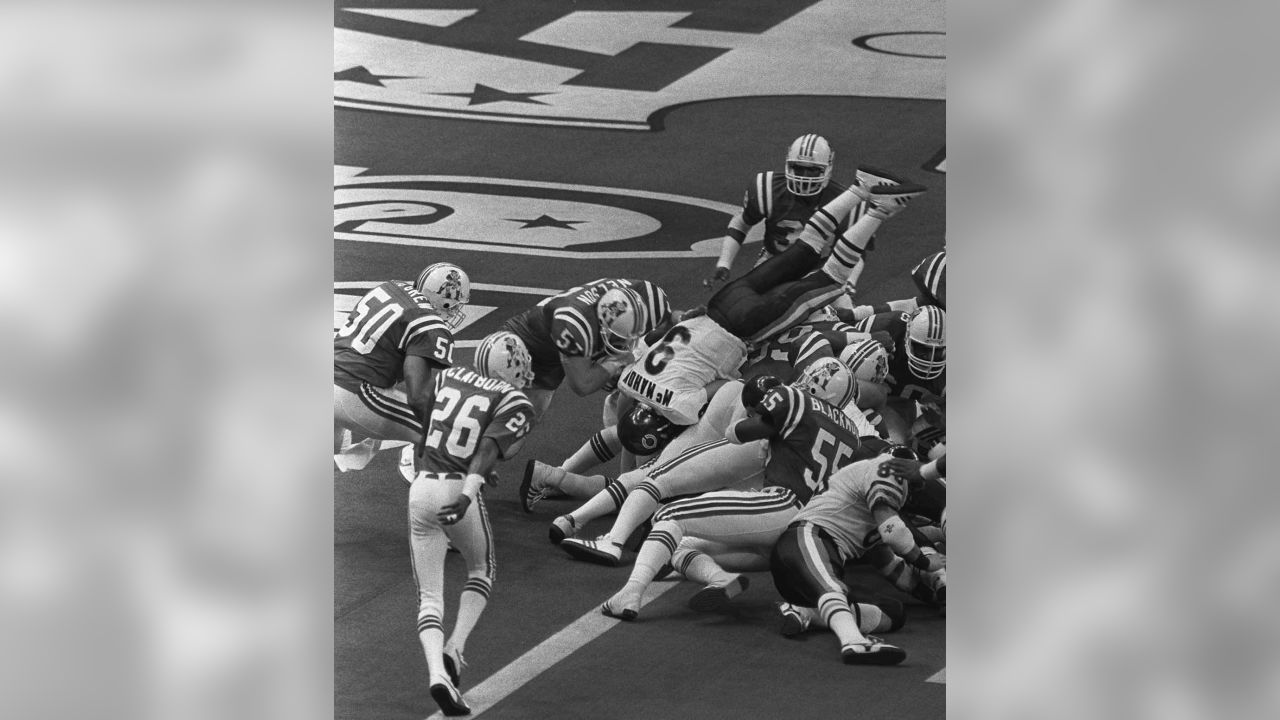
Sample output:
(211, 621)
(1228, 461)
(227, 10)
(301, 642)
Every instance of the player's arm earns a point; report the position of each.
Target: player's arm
(736, 234)
(418, 386)
(916, 471)
(754, 426)
(585, 377)
(897, 536)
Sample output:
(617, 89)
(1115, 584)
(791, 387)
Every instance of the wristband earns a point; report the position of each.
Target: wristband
(471, 486)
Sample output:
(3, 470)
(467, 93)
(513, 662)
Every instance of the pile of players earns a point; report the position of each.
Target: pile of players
(779, 427)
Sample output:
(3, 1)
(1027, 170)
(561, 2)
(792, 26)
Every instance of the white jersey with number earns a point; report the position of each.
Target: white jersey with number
(672, 374)
(844, 508)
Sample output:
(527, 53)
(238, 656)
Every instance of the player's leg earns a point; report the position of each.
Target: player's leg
(752, 518)
(374, 414)
(717, 567)
(802, 587)
(600, 448)
(699, 469)
(604, 502)
(428, 545)
(473, 537)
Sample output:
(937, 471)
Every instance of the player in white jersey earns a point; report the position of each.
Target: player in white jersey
(859, 508)
(672, 374)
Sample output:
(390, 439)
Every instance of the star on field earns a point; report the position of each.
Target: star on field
(483, 94)
(361, 74)
(547, 221)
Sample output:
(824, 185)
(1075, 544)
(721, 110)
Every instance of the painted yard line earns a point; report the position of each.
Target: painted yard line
(547, 653)
(487, 287)
(938, 677)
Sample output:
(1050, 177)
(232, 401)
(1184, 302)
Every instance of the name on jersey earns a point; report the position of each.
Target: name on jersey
(477, 380)
(838, 416)
(590, 297)
(642, 385)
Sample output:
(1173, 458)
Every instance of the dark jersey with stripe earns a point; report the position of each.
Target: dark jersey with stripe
(391, 321)
(783, 212)
(566, 323)
(468, 407)
(930, 277)
(901, 380)
(812, 439)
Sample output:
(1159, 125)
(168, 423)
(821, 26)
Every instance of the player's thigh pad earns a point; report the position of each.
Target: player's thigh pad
(712, 466)
(753, 518)
(378, 413)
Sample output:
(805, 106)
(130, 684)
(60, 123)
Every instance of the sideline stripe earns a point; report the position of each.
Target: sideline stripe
(547, 653)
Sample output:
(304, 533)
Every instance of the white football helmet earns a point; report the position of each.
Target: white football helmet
(448, 289)
(503, 355)
(926, 342)
(867, 360)
(622, 317)
(827, 378)
(809, 163)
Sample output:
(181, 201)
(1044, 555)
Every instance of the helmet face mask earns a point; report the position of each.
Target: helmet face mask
(808, 166)
(926, 342)
(448, 289)
(503, 355)
(622, 319)
(828, 379)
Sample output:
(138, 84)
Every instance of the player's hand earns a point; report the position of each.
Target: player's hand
(936, 560)
(721, 274)
(908, 470)
(454, 511)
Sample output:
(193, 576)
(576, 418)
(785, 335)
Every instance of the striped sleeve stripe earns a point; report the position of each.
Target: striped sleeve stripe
(887, 492)
(419, 326)
(764, 193)
(811, 347)
(579, 323)
(513, 400)
(796, 411)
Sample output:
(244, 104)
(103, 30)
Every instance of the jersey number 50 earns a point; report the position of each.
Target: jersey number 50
(369, 320)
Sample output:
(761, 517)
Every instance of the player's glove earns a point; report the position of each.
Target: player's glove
(721, 274)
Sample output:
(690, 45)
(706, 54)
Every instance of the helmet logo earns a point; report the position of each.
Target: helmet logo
(451, 288)
(649, 441)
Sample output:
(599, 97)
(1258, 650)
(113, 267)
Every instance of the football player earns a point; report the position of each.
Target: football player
(398, 331)
(859, 507)
(778, 293)
(479, 417)
(584, 334)
(809, 438)
(917, 369)
(930, 278)
(784, 202)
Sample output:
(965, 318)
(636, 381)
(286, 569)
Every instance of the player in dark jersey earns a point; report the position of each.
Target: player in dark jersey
(930, 279)
(809, 438)
(784, 289)
(784, 202)
(584, 334)
(917, 368)
(478, 418)
(397, 332)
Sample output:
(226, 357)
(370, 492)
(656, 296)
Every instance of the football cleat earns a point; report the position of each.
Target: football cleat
(713, 598)
(448, 698)
(620, 608)
(869, 177)
(793, 622)
(562, 528)
(453, 664)
(889, 200)
(872, 651)
(601, 551)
